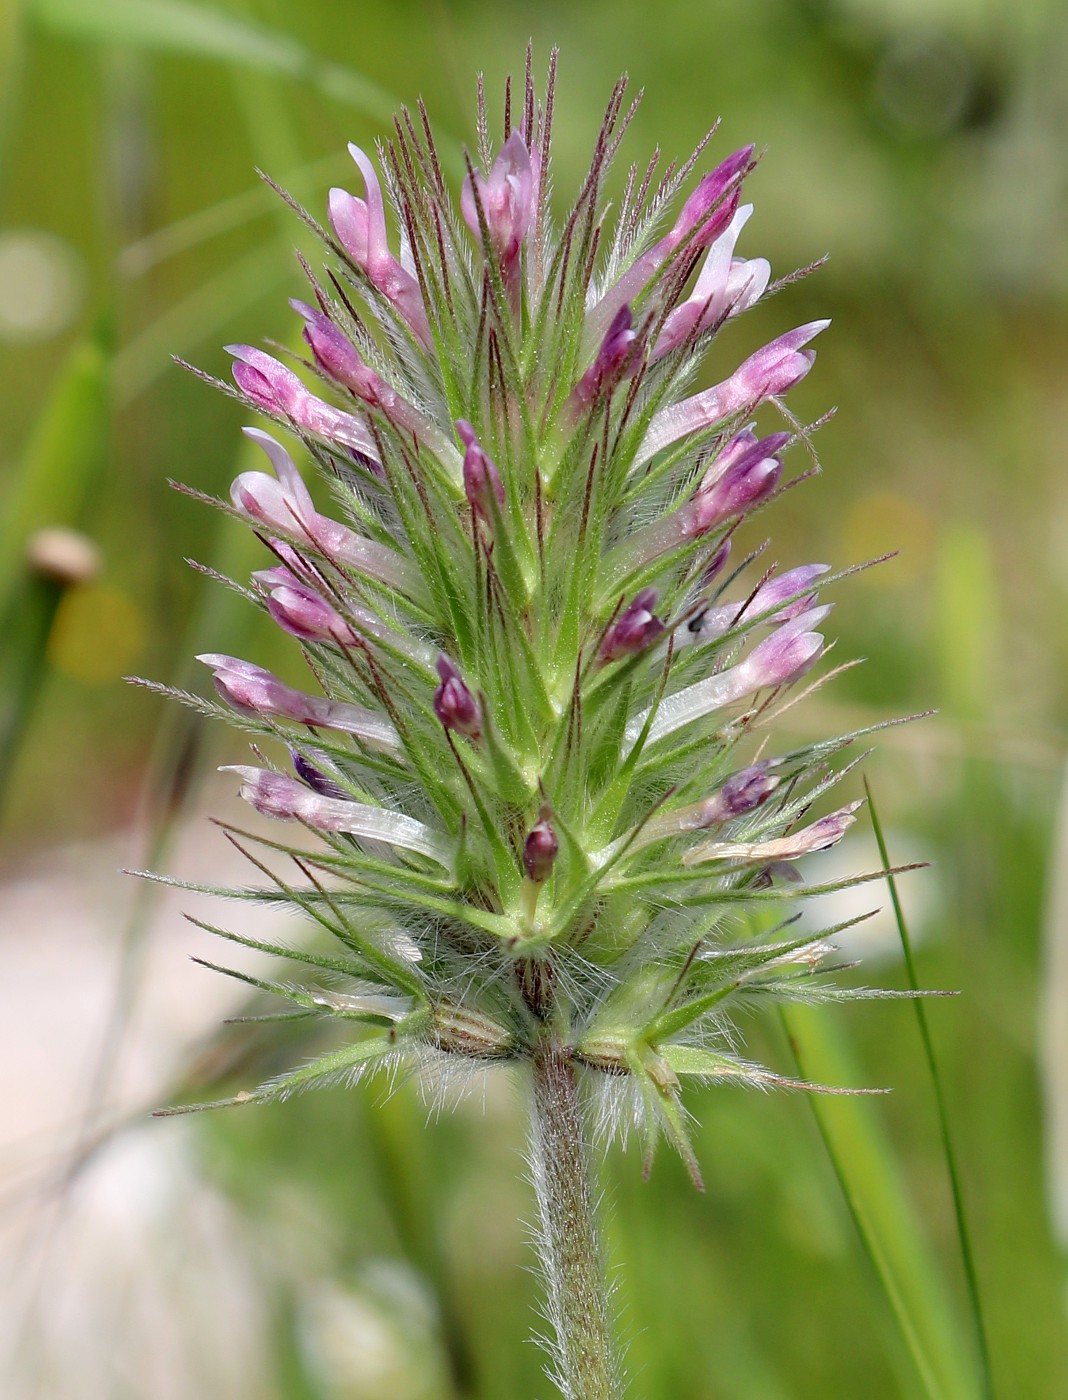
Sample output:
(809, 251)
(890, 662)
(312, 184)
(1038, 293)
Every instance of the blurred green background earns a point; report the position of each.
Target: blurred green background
(920, 143)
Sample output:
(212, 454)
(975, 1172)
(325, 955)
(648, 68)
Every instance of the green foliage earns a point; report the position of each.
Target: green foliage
(948, 361)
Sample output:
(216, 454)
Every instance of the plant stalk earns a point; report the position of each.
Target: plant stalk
(577, 1294)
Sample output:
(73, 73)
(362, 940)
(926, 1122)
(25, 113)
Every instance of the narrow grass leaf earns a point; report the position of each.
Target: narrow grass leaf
(967, 1255)
(885, 1218)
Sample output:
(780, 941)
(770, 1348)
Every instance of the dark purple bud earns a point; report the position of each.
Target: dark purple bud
(454, 704)
(636, 628)
(707, 209)
(315, 778)
(716, 564)
(540, 848)
(615, 358)
(745, 790)
(480, 474)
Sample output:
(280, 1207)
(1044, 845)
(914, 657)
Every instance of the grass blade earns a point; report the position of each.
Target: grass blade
(959, 1212)
(884, 1216)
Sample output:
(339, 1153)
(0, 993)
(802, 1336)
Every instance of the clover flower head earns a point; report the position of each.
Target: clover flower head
(535, 745)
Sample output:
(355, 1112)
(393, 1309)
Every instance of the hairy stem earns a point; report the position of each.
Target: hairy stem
(587, 1364)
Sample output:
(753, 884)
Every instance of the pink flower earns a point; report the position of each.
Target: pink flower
(284, 504)
(725, 287)
(507, 199)
(277, 390)
(360, 226)
(253, 691)
(772, 370)
(707, 212)
(715, 621)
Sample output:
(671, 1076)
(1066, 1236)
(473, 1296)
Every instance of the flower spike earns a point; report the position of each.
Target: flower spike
(535, 757)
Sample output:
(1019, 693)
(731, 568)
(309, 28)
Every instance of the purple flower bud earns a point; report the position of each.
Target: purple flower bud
(770, 371)
(743, 792)
(334, 352)
(296, 603)
(454, 704)
(783, 586)
(615, 359)
(775, 368)
(744, 473)
(300, 611)
(713, 201)
(507, 199)
(636, 628)
(733, 451)
(716, 564)
(748, 478)
(746, 790)
(315, 778)
(480, 474)
(786, 655)
(709, 210)
(253, 691)
(783, 657)
(339, 358)
(714, 622)
(361, 230)
(725, 287)
(277, 390)
(540, 848)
